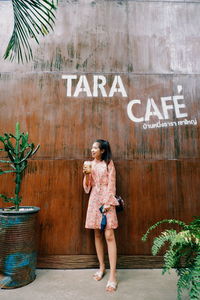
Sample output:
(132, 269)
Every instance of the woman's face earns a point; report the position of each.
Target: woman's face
(96, 152)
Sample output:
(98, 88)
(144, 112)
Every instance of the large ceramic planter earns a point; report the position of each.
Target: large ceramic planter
(18, 246)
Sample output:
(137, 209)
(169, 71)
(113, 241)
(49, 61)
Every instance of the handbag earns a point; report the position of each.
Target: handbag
(103, 220)
(120, 206)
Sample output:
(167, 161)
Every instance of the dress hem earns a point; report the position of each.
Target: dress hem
(100, 227)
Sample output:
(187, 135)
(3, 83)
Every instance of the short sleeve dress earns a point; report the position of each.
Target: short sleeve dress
(102, 183)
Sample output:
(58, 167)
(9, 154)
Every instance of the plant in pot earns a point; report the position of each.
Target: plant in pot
(183, 254)
(17, 223)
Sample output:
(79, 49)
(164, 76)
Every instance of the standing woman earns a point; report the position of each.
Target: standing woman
(100, 178)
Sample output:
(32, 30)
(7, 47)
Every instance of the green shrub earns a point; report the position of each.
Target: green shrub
(18, 151)
(183, 254)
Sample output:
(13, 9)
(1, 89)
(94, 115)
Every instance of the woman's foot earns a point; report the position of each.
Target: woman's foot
(111, 286)
(99, 275)
(112, 282)
(112, 276)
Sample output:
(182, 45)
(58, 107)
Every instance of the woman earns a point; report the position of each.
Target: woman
(100, 178)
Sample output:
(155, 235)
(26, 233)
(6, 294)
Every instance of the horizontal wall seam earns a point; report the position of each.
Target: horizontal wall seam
(96, 73)
(160, 1)
(117, 160)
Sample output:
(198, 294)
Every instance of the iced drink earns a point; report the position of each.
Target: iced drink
(87, 166)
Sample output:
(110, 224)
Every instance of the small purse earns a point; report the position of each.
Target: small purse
(103, 220)
(120, 206)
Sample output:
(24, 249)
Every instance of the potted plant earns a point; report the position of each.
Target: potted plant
(17, 223)
(183, 254)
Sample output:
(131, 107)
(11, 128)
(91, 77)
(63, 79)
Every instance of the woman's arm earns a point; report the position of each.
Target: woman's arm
(87, 183)
(111, 200)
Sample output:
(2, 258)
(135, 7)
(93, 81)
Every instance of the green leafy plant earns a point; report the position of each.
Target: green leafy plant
(183, 254)
(18, 150)
(31, 19)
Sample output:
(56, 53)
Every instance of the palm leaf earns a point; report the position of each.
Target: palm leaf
(169, 221)
(31, 19)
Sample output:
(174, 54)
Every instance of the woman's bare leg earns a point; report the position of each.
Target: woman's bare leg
(99, 249)
(112, 253)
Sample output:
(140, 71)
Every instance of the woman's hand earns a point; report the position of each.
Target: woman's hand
(86, 170)
(106, 208)
(87, 167)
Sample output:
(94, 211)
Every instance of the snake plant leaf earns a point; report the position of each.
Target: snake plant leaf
(23, 168)
(5, 198)
(6, 136)
(8, 199)
(35, 150)
(7, 171)
(26, 156)
(4, 161)
(10, 145)
(24, 144)
(12, 135)
(31, 19)
(17, 131)
(10, 154)
(24, 140)
(17, 187)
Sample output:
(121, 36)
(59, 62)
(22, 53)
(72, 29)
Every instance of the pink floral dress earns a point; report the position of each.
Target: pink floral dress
(102, 183)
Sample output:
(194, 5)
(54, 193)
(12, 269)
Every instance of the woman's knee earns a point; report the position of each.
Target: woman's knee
(97, 234)
(109, 235)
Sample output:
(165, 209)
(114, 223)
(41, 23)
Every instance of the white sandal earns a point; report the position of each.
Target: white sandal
(111, 284)
(98, 275)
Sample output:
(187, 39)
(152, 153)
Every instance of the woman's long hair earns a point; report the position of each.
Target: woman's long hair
(107, 154)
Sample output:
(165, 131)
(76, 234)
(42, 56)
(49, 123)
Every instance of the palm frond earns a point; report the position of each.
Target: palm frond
(169, 221)
(195, 279)
(184, 280)
(31, 19)
(182, 253)
(158, 242)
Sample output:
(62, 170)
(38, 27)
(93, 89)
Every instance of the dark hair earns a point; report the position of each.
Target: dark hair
(107, 154)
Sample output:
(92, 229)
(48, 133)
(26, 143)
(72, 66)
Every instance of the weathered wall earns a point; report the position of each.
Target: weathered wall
(154, 47)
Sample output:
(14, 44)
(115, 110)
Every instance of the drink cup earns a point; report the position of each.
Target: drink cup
(87, 166)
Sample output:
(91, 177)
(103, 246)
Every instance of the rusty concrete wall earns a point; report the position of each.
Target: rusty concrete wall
(154, 47)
